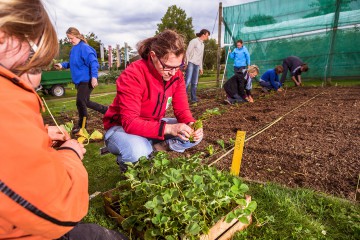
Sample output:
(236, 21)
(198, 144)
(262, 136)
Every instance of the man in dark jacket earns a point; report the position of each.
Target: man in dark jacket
(296, 67)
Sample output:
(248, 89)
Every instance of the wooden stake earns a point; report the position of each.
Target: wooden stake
(238, 151)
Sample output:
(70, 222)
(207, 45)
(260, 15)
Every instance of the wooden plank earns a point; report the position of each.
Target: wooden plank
(238, 152)
(223, 230)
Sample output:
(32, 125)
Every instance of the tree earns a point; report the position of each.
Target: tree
(175, 19)
(210, 54)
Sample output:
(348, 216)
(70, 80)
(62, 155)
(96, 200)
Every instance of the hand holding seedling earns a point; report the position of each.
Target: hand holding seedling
(180, 130)
(76, 146)
(198, 132)
(58, 133)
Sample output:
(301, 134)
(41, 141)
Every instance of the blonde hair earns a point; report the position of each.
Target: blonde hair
(28, 20)
(162, 44)
(253, 68)
(75, 32)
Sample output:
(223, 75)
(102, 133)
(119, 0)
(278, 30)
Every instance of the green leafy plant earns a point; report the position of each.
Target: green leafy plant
(232, 141)
(178, 198)
(221, 143)
(197, 124)
(84, 136)
(210, 112)
(210, 149)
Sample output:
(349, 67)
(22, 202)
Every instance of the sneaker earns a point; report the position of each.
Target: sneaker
(161, 146)
(265, 90)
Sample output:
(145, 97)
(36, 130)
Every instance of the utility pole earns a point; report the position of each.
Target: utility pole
(218, 56)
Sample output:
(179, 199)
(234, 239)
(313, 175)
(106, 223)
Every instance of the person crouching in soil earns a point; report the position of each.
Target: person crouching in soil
(270, 79)
(238, 87)
(135, 124)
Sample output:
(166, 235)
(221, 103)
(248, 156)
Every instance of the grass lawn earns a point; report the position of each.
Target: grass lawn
(282, 213)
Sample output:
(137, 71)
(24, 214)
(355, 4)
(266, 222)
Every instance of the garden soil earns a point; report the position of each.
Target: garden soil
(315, 146)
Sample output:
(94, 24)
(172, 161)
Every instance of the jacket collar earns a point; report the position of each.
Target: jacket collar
(7, 74)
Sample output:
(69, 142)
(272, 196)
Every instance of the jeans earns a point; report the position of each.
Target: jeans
(129, 147)
(192, 77)
(83, 102)
(268, 84)
(90, 231)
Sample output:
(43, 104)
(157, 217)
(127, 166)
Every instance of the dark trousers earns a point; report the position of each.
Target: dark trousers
(90, 231)
(83, 102)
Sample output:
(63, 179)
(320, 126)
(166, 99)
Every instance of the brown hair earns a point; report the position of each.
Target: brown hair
(28, 20)
(304, 67)
(162, 44)
(203, 32)
(279, 69)
(75, 32)
(239, 41)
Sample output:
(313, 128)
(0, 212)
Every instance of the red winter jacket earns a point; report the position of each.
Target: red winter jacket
(141, 101)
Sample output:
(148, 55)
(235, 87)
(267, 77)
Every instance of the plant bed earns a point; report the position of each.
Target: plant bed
(179, 199)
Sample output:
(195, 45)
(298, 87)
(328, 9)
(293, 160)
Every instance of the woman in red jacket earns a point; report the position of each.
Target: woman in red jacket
(43, 191)
(135, 120)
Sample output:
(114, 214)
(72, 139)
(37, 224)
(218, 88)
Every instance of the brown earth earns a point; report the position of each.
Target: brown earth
(315, 146)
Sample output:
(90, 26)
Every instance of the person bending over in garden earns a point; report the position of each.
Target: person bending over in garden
(270, 79)
(135, 124)
(296, 67)
(83, 66)
(238, 87)
(43, 191)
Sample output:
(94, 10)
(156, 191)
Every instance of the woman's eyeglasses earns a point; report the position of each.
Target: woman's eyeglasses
(170, 68)
(33, 50)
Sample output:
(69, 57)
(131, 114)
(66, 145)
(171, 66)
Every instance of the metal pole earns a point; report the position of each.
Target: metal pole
(218, 56)
(332, 43)
(227, 56)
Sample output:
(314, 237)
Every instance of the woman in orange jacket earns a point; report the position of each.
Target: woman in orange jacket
(43, 191)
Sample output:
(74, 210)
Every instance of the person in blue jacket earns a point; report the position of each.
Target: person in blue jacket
(84, 67)
(270, 79)
(241, 56)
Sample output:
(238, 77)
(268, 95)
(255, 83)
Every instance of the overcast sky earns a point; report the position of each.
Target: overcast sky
(119, 21)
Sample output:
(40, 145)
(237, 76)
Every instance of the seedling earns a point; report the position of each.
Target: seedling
(221, 143)
(84, 135)
(210, 149)
(198, 124)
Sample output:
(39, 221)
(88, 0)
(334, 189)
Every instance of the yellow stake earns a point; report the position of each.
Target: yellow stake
(83, 123)
(239, 147)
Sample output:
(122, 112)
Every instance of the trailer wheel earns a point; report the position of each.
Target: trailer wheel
(57, 90)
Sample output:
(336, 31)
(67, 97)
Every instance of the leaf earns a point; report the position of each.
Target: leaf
(83, 132)
(244, 220)
(150, 205)
(198, 179)
(81, 139)
(193, 228)
(96, 135)
(252, 206)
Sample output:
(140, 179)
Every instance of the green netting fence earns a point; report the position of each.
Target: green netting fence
(325, 34)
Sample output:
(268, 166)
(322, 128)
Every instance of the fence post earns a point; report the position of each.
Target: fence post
(332, 43)
(218, 56)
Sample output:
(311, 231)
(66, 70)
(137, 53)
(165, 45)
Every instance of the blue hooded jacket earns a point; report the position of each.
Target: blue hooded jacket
(241, 57)
(83, 63)
(271, 76)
